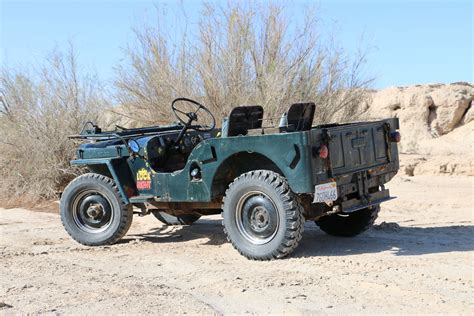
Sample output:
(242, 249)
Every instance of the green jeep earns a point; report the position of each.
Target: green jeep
(266, 179)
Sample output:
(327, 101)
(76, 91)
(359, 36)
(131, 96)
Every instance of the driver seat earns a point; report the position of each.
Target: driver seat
(242, 119)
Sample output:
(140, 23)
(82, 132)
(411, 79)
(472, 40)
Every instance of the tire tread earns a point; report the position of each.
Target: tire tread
(350, 226)
(293, 210)
(126, 210)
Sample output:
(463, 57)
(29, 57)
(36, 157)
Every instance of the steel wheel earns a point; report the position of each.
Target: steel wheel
(92, 212)
(262, 216)
(257, 217)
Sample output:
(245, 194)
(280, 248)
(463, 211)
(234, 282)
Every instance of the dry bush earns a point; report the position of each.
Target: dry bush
(237, 54)
(241, 54)
(39, 108)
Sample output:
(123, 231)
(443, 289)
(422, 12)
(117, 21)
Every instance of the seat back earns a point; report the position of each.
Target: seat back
(243, 118)
(300, 117)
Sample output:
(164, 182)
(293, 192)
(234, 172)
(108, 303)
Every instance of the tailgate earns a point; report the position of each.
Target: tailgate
(358, 146)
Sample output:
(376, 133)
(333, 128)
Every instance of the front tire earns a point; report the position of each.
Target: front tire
(262, 216)
(92, 211)
(351, 224)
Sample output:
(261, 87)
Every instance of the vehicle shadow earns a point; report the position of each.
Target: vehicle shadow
(204, 228)
(398, 240)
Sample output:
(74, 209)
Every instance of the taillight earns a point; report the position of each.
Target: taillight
(323, 151)
(395, 137)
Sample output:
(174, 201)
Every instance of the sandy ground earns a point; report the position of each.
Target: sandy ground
(419, 258)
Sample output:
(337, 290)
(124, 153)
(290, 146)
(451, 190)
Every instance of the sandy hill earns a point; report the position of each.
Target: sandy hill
(437, 123)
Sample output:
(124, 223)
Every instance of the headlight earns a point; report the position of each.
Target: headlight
(134, 146)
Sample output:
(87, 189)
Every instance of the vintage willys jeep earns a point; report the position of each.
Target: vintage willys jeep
(265, 181)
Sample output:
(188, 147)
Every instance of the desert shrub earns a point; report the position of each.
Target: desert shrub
(39, 108)
(240, 54)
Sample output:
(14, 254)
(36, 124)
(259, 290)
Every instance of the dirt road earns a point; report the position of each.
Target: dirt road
(418, 258)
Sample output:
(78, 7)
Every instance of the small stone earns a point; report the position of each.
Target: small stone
(5, 305)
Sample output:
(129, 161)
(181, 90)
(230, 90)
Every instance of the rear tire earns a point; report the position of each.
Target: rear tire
(262, 217)
(351, 224)
(167, 219)
(92, 211)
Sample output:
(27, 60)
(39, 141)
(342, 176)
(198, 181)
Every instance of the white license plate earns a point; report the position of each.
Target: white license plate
(326, 192)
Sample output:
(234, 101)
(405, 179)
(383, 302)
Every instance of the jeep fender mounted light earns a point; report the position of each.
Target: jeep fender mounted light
(134, 146)
(395, 137)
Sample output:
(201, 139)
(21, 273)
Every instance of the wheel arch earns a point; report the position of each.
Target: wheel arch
(115, 169)
(100, 168)
(238, 164)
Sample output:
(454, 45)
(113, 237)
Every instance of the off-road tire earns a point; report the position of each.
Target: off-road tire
(171, 220)
(121, 214)
(349, 225)
(274, 188)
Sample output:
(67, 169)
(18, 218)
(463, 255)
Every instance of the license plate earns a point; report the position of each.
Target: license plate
(326, 192)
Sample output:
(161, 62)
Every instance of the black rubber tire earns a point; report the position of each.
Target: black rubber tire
(349, 225)
(106, 187)
(290, 217)
(167, 219)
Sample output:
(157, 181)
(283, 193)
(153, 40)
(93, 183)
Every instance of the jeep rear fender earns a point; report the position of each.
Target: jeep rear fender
(238, 164)
(288, 154)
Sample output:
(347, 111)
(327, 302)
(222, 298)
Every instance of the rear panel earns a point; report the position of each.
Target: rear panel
(353, 148)
(356, 147)
(362, 157)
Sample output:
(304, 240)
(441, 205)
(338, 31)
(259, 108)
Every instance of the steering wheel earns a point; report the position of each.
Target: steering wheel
(187, 117)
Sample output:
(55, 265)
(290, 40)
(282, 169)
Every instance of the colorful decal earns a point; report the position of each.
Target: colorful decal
(143, 179)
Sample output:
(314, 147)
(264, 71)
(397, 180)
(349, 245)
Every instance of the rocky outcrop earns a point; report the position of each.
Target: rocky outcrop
(437, 123)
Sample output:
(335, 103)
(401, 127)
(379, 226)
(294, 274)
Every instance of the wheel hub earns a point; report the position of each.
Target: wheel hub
(95, 211)
(257, 217)
(92, 212)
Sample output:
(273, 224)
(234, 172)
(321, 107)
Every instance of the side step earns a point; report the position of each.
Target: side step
(141, 199)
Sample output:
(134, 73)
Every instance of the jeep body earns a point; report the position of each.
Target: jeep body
(178, 171)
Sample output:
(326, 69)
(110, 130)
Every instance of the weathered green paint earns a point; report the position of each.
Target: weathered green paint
(117, 174)
(209, 155)
(291, 153)
(177, 186)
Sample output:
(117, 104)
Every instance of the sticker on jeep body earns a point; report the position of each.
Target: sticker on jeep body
(143, 179)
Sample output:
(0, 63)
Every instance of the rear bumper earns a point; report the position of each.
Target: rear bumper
(370, 199)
